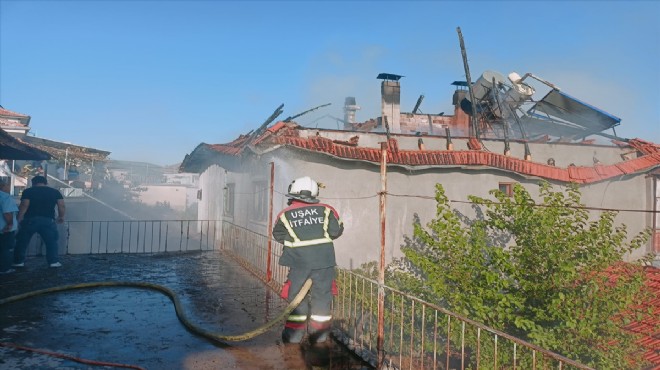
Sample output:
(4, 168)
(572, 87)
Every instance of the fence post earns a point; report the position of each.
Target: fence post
(269, 271)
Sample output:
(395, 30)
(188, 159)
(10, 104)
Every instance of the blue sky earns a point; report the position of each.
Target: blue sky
(150, 80)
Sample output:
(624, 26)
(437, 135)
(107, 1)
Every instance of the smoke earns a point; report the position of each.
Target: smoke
(334, 75)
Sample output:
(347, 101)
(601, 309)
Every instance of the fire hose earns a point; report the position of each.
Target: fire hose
(178, 307)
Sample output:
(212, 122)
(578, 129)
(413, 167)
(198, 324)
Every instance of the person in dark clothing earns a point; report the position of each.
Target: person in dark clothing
(307, 229)
(36, 214)
(8, 226)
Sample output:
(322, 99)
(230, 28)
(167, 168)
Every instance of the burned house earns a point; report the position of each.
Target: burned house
(498, 135)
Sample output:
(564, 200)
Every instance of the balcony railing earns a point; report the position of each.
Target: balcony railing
(144, 236)
(417, 334)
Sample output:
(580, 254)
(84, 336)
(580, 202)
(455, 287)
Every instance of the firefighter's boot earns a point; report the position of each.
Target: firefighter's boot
(291, 335)
(294, 328)
(319, 328)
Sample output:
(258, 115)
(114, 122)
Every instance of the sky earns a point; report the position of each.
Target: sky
(151, 80)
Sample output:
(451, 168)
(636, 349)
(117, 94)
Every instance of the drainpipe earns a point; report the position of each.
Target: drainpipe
(430, 124)
(528, 153)
(450, 145)
(380, 345)
(269, 271)
(420, 144)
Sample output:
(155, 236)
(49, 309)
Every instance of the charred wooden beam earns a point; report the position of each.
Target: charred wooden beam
(290, 118)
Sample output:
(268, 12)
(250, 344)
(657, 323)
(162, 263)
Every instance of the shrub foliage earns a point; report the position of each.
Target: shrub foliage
(533, 270)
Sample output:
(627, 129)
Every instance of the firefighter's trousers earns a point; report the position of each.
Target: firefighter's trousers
(315, 308)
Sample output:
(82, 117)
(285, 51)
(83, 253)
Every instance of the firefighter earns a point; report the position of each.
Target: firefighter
(307, 229)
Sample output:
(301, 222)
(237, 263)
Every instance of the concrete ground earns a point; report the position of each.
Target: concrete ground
(139, 327)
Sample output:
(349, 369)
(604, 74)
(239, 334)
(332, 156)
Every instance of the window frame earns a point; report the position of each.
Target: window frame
(508, 188)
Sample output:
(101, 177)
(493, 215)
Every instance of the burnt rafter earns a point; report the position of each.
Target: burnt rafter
(290, 118)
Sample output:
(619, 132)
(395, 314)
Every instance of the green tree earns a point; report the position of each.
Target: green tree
(532, 270)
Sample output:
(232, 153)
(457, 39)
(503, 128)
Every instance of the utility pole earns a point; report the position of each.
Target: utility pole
(381, 266)
(474, 128)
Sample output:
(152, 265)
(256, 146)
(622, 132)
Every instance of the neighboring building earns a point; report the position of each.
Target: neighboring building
(131, 173)
(175, 196)
(13, 150)
(188, 179)
(31, 155)
(16, 124)
(155, 185)
(422, 150)
(88, 164)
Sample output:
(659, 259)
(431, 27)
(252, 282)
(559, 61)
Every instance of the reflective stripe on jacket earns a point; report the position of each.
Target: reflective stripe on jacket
(307, 232)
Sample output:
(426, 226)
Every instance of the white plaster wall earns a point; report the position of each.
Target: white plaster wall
(353, 192)
(211, 183)
(352, 188)
(210, 207)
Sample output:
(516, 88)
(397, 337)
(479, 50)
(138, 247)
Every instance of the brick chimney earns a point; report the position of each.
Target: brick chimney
(391, 104)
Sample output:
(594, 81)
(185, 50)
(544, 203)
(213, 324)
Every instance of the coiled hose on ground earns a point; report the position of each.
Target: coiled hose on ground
(177, 307)
(218, 337)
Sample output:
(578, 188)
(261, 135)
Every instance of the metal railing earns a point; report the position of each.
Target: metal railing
(418, 334)
(144, 236)
(421, 335)
(251, 251)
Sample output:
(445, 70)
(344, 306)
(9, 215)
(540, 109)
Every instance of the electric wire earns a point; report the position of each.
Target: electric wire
(429, 197)
(530, 204)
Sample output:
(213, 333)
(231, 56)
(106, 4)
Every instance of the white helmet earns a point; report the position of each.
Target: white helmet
(304, 189)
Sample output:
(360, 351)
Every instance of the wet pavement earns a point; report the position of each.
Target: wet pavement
(139, 327)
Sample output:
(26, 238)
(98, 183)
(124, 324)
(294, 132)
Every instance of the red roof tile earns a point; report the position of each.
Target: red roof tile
(283, 133)
(644, 146)
(233, 148)
(650, 328)
(6, 112)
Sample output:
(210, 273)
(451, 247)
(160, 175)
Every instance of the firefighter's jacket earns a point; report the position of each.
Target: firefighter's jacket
(307, 231)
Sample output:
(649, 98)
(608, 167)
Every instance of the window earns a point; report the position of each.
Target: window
(506, 188)
(229, 196)
(259, 200)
